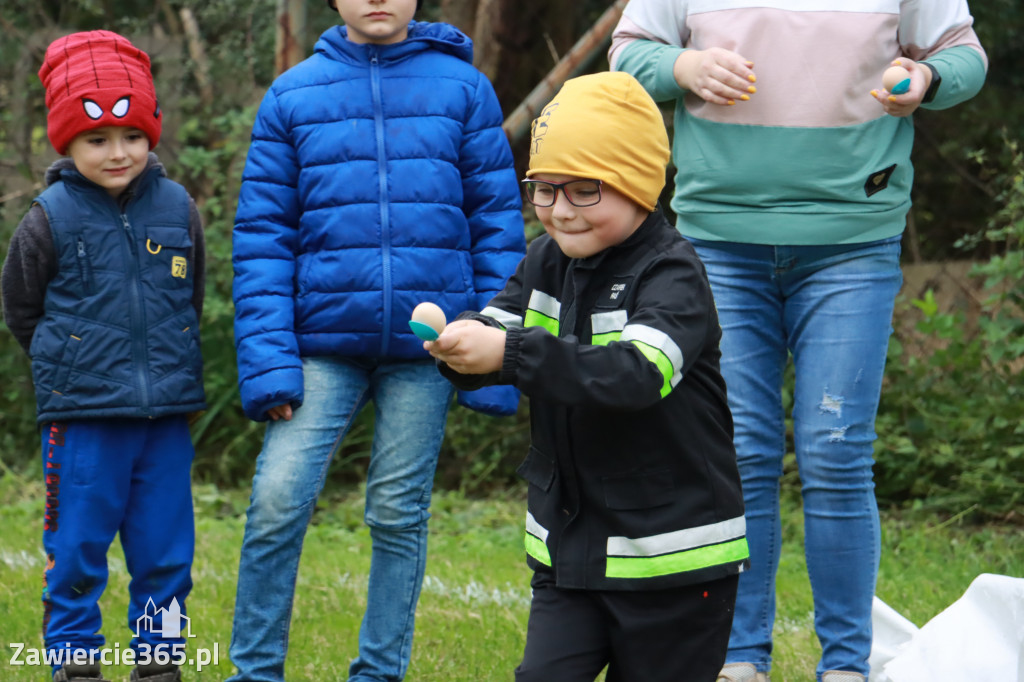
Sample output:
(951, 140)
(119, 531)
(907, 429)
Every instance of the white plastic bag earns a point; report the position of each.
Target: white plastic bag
(979, 638)
(891, 634)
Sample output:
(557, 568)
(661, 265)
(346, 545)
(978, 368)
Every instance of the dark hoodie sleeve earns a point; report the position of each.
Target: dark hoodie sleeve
(30, 265)
(195, 231)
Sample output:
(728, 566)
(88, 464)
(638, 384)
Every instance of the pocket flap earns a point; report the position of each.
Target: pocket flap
(538, 469)
(170, 236)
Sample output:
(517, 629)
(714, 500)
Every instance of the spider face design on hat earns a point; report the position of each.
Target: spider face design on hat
(118, 110)
(95, 79)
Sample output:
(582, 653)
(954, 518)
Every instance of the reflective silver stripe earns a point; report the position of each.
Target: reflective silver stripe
(603, 323)
(534, 528)
(660, 340)
(506, 319)
(544, 304)
(679, 540)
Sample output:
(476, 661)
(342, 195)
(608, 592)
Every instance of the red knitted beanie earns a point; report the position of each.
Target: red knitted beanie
(96, 79)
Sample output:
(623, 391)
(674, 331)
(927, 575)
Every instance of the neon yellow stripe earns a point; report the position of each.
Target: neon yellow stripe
(604, 339)
(536, 548)
(678, 562)
(536, 319)
(661, 361)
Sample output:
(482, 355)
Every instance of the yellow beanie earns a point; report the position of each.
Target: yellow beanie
(603, 126)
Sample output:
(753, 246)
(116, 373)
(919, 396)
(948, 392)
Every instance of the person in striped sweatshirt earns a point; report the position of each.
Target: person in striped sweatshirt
(793, 182)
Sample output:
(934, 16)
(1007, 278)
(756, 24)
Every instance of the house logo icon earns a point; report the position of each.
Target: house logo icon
(172, 624)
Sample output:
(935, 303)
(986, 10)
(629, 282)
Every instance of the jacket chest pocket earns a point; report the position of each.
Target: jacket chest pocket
(538, 469)
(609, 309)
(166, 255)
(86, 254)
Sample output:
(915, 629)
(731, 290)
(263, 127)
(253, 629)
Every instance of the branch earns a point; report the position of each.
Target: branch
(14, 195)
(197, 52)
(957, 167)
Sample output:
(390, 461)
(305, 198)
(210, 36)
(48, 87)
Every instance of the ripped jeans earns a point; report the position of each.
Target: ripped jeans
(831, 307)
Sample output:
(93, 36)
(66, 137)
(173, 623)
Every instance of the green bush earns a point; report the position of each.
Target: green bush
(951, 433)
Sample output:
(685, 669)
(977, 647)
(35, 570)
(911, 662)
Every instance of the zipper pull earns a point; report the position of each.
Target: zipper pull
(84, 267)
(124, 220)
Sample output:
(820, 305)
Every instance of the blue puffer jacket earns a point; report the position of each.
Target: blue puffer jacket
(378, 177)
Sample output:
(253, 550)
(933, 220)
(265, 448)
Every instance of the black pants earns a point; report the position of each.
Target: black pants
(673, 635)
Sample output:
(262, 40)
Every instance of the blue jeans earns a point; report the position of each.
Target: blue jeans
(831, 307)
(411, 402)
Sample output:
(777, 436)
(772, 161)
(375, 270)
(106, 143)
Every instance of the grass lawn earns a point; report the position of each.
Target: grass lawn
(472, 613)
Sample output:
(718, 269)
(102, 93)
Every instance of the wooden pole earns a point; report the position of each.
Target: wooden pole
(291, 27)
(582, 53)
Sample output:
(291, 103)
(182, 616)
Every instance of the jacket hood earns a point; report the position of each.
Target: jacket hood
(53, 173)
(334, 43)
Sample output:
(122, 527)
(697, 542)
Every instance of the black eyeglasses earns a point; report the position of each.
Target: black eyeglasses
(580, 193)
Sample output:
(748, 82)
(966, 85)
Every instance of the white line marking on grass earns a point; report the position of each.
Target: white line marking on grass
(475, 593)
(22, 560)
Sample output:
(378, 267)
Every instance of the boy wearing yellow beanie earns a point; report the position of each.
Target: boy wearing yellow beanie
(635, 528)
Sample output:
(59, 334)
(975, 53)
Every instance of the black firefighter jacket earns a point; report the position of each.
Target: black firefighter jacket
(632, 470)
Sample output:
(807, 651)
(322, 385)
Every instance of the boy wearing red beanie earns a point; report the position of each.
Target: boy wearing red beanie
(103, 288)
(634, 527)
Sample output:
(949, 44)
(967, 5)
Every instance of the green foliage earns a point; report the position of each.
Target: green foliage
(19, 438)
(951, 433)
(480, 453)
(226, 442)
(1004, 272)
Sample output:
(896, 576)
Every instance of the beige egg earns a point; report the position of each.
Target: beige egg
(429, 314)
(894, 75)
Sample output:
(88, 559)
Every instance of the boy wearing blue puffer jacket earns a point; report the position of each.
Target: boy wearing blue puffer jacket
(378, 177)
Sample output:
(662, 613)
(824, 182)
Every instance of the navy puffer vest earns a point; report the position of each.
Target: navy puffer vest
(119, 336)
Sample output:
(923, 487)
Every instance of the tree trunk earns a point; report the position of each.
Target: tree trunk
(487, 56)
(461, 14)
(291, 23)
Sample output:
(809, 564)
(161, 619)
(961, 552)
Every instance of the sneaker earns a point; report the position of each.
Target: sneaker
(743, 672)
(156, 673)
(79, 673)
(842, 676)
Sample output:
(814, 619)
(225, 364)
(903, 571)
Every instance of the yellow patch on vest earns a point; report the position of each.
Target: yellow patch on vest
(179, 267)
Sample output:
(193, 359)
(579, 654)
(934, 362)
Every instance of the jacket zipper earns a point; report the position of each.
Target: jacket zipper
(84, 267)
(385, 213)
(138, 318)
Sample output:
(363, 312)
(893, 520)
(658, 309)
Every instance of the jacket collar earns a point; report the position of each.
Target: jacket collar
(64, 169)
(423, 35)
(651, 223)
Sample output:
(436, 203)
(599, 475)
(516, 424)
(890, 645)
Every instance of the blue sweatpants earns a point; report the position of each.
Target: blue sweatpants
(110, 476)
